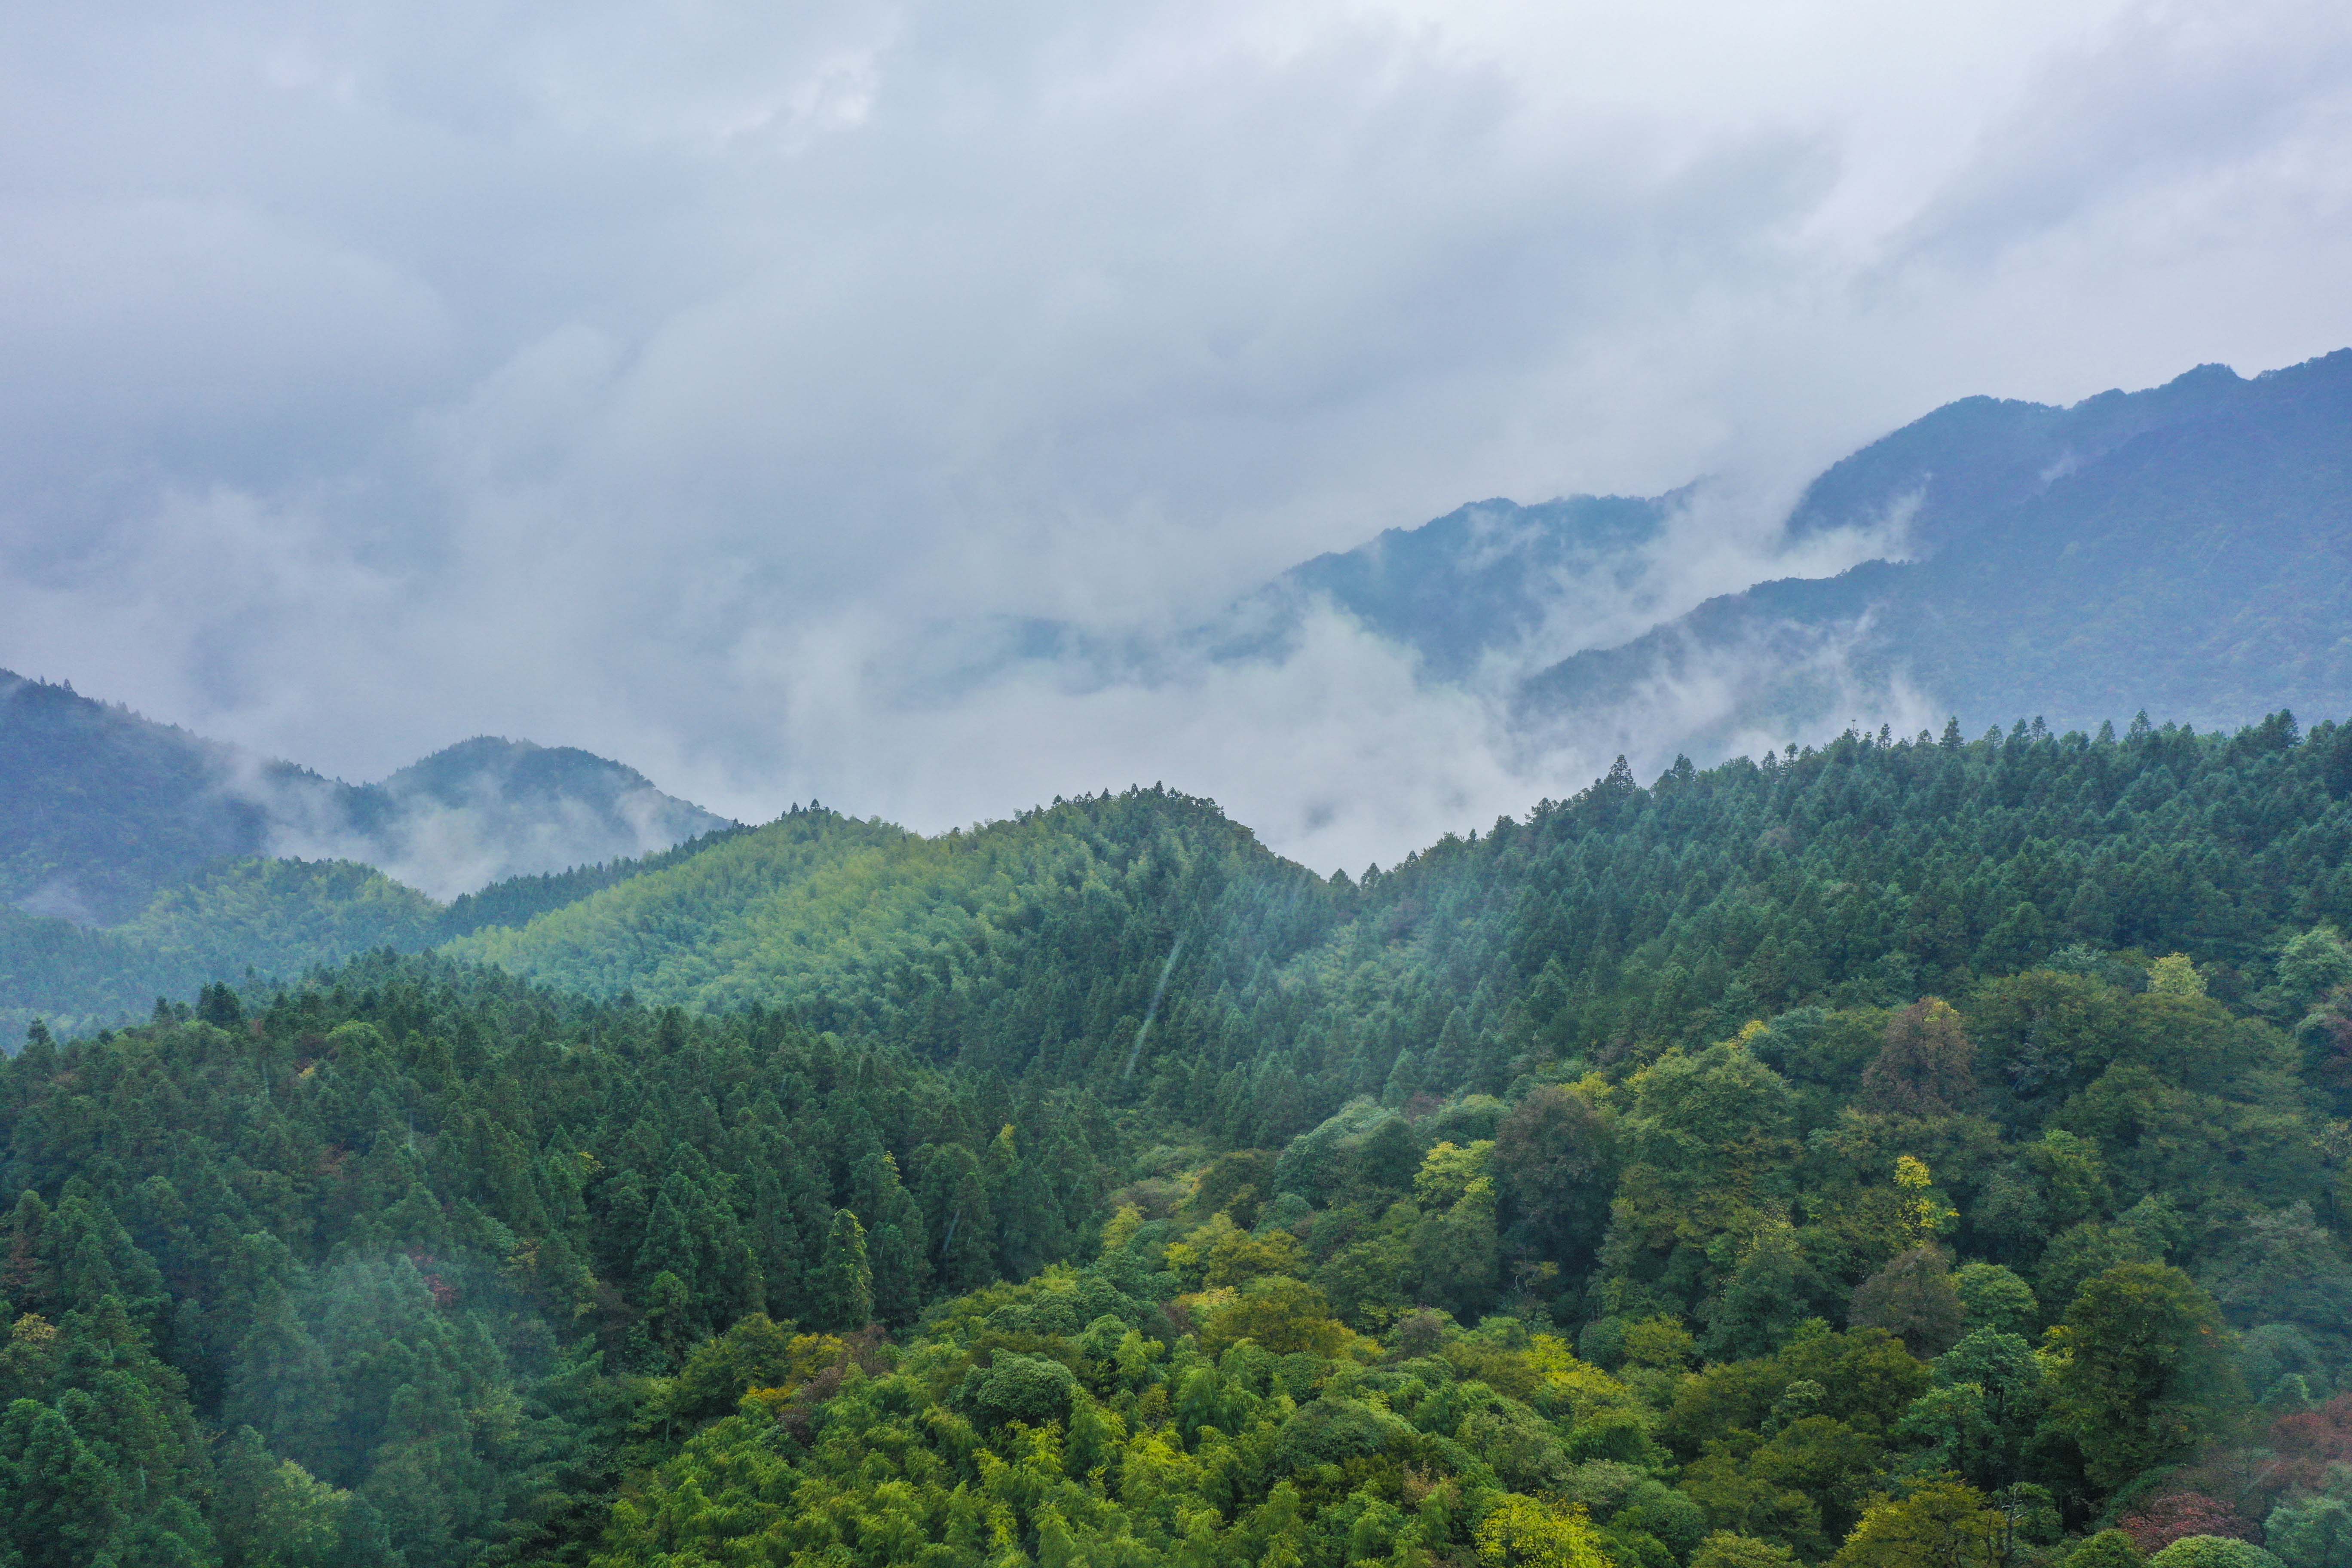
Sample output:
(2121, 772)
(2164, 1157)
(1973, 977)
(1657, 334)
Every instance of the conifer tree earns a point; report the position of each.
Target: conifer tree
(842, 1295)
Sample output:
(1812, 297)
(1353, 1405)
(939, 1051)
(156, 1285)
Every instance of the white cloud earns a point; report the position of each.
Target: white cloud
(650, 379)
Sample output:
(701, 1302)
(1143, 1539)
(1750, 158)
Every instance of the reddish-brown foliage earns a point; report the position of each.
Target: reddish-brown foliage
(2304, 1445)
(2335, 1068)
(1927, 1068)
(2157, 1523)
(444, 1293)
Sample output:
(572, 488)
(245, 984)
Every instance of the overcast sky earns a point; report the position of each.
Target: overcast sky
(668, 379)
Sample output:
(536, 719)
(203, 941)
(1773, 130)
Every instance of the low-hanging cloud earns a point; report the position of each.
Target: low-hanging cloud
(481, 811)
(697, 387)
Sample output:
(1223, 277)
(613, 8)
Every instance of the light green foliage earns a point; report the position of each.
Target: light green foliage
(2107, 1549)
(2311, 964)
(2213, 1552)
(272, 1510)
(1447, 1173)
(2314, 1533)
(1992, 1297)
(1521, 1533)
(952, 943)
(1725, 1549)
(1114, 1443)
(2175, 975)
(1938, 1524)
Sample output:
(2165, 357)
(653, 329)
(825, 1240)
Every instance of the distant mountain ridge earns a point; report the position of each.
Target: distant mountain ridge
(100, 809)
(2186, 550)
(489, 810)
(1485, 579)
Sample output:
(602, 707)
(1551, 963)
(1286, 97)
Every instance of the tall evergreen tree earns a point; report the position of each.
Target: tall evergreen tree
(842, 1295)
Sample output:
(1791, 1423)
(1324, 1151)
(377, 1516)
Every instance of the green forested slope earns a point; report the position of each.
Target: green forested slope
(1872, 871)
(1904, 1153)
(1035, 942)
(519, 900)
(273, 918)
(1909, 1287)
(426, 1232)
(279, 918)
(1625, 919)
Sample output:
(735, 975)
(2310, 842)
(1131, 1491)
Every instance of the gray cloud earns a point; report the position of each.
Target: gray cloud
(675, 384)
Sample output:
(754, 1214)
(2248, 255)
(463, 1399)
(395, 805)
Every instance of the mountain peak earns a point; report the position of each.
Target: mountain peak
(101, 809)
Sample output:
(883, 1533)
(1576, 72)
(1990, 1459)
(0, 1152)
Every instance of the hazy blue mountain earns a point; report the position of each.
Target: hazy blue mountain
(100, 809)
(1981, 456)
(490, 809)
(1492, 579)
(1487, 578)
(2186, 550)
(2183, 548)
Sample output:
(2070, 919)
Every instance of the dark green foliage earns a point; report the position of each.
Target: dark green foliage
(1914, 1298)
(411, 1240)
(2142, 1374)
(1556, 1165)
(840, 1293)
(418, 1264)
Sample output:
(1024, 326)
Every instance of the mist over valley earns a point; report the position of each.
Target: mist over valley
(1296, 786)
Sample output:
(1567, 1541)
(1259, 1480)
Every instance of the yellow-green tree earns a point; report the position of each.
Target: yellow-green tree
(1522, 1531)
(1943, 1523)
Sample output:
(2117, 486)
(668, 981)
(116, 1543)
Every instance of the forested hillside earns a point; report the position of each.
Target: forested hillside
(379, 1273)
(266, 919)
(1034, 945)
(1868, 873)
(277, 917)
(1919, 1151)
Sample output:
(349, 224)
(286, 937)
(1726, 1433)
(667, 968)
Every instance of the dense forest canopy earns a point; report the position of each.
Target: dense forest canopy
(1919, 1151)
